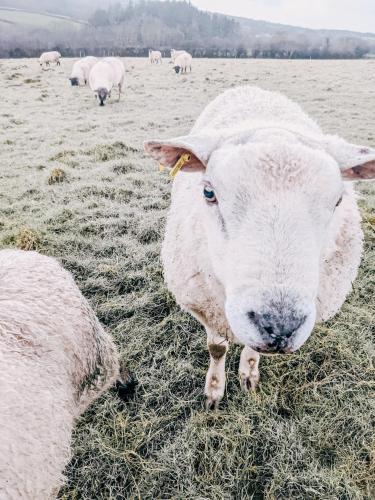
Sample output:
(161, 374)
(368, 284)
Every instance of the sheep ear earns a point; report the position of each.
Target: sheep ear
(199, 148)
(355, 162)
(364, 172)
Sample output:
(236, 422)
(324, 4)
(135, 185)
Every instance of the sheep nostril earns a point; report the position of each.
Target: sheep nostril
(269, 330)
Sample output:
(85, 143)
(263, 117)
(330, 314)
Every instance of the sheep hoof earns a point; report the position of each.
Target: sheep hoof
(212, 404)
(125, 388)
(249, 383)
(214, 389)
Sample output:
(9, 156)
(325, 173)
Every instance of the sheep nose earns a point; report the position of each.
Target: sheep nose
(277, 326)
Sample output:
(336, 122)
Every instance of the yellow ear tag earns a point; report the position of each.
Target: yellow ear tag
(180, 163)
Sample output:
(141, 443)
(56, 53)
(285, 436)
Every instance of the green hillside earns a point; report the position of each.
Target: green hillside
(35, 20)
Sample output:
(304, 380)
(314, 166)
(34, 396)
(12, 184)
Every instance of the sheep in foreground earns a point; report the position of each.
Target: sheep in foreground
(50, 57)
(176, 53)
(155, 56)
(182, 63)
(106, 74)
(81, 70)
(55, 360)
(263, 237)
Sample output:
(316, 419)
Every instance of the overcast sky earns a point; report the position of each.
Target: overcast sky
(356, 15)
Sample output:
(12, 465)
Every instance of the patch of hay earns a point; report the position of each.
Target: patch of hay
(57, 176)
(106, 152)
(28, 239)
(31, 80)
(63, 156)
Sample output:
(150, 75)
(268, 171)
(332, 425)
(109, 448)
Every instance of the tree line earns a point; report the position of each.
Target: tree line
(131, 28)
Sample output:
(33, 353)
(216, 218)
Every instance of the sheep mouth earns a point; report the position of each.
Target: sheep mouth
(102, 94)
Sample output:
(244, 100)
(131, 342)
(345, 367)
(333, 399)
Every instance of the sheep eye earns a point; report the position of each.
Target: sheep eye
(209, 194)
(338, 203)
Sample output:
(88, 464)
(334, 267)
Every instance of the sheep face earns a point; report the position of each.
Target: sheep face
(177, 69)
(102, 95)
(267, 228)
(270, 213)
(74, 82)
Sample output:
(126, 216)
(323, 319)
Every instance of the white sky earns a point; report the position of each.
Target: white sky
(356, 15)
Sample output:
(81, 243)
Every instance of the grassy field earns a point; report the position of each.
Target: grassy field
(76, 184)
(35, 20)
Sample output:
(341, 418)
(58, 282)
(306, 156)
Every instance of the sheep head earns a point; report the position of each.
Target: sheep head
(270, 203)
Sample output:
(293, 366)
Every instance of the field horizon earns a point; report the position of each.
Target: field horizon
(76, 185)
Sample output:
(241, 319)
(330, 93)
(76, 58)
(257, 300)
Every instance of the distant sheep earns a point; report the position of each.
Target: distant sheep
(81, 70)
(183, 62)
(155, 56)
(106, 74)
(50, 57)
(55, 360)
(263, 237)
(176, 53)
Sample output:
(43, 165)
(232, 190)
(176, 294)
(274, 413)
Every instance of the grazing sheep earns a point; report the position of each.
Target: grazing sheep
(263, 237)
(155, 56)
(176, 53)
(55, 360)
(81, 70)
(182, 63)
(49, 57)
(105, 75)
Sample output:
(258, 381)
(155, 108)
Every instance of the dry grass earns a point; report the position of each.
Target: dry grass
(28, 239)
(57, 175)
(309, 432)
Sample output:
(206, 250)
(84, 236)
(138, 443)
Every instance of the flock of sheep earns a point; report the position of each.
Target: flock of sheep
(105, 74)
(263, 239)
(181, 59)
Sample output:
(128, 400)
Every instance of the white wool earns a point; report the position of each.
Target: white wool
(118, 69)
(81, 69)
(176, 53)
(107, 73)
(155, 56)
(102, 76)
(183, 61)
(48, 57)
(55, 360)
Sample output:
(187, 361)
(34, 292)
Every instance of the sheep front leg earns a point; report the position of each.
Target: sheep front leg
(249, 369)
(215, 378)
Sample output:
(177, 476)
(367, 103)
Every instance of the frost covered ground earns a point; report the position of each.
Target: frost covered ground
(74, 183)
